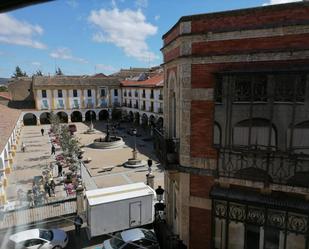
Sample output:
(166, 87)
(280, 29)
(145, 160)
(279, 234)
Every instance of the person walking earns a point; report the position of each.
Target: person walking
(78, 222)
(52, 186)
(53, 150)
(59, 169)
(42, 132)
(47, 189)
(23, 147)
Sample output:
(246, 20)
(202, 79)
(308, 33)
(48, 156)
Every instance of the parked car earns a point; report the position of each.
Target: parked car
(131, 239)
(38, 238)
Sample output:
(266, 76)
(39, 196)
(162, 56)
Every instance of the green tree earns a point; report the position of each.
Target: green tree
(19, 73)
(38, 73)
(3, 89)
(58, 71)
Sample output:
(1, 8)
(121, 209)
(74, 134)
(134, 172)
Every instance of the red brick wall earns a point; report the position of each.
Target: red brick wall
(200, 228)
(253, 45)
(172, 35)
(202, 114)
(200, 185)
(202, 76)
(171, 54)
(251, 19)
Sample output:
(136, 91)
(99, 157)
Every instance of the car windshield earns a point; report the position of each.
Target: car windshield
(46, 234)
(116, 241)
(149, 235)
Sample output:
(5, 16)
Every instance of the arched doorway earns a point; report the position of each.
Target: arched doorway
(136, 118)
(76, 116)
(131, 116)
(144, 120)
(29, 119)
(63, 117)
(45, 118)
(90, 115)
(103, 115)
(159, 123)
(152, 120)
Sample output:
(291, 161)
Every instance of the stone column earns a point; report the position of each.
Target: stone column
(82, 100)
(80, 200)
(67, 99)
(52, 100)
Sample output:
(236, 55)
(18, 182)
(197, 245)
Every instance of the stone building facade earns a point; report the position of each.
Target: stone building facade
(235, 141)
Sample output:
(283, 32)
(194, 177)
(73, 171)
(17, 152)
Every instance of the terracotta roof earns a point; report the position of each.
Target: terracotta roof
(5, 95)
(39, 81)
(155, 81)
(8, 120)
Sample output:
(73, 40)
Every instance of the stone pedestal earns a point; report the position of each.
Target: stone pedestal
(134, 153)
(150, 180)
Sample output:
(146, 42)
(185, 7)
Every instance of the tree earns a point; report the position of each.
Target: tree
(19, 73)
(38, 73)
(58, 71)
(3, 89)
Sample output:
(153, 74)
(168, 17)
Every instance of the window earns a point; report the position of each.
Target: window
(115, 92)
(33, 242)
(89, 92)
(76, 105)
(103, 92)
(60, 103)
(75, 93)
(46, 234)
(44, 104)
(60, 94)
(44, 95)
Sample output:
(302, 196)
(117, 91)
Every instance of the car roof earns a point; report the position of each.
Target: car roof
(132, 234)
(24, 235)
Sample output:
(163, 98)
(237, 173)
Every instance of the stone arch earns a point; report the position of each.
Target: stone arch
(144, 119)
(45, 118)
(76, 116)
(30, 119)
(131, 116)
(159, 123)
(103, 115)
(63, 117)
(90, 115)
(256, 131)
(136, 117)
(152, 120)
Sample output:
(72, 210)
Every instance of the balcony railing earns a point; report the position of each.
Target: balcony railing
(167, 150)
(268, 166)
(160, 110)
(160, 96)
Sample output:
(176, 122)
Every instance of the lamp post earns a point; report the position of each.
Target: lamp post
(159, 206)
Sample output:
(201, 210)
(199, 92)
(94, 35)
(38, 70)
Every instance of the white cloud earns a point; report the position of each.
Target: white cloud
(17, 32)
(105, 68)
(157, 17)
(126, 29)
(36, 63)
(141, 3)
(72, 3)
(66, 54)
(281, 1)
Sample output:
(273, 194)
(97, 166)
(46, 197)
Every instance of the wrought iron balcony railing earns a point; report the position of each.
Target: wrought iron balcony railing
(167, 150)
(264, 165)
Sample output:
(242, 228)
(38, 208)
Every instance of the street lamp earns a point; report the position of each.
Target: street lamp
(159, 192)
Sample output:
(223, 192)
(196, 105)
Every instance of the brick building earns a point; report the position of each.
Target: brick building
(235, 146)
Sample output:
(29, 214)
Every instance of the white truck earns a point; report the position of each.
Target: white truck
(118, 208)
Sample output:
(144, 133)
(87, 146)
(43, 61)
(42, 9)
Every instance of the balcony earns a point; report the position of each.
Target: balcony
(160, 96)
(262, 165)
(160, 110)
(167, 150)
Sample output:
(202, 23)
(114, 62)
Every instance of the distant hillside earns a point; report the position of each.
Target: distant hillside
(3, 81)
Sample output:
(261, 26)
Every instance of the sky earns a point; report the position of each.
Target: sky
(84, 37)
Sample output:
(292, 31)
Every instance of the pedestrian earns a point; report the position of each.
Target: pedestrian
(59, 169)
(78, 222)
(42, 132)
(31, 199)
(23, 147)
(47, 189)
(53, 150)
(52, 186)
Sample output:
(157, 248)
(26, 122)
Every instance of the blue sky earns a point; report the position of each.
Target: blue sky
(93, 36)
